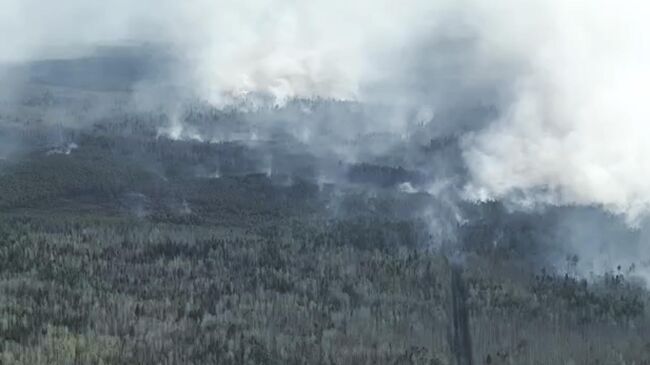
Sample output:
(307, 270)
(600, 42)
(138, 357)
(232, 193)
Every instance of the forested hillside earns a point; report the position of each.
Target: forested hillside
(120, 244)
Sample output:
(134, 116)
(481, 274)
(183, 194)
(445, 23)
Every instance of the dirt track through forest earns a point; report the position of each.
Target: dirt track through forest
(462, 344)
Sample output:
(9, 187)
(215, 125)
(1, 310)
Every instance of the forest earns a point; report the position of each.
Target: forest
(122, 244)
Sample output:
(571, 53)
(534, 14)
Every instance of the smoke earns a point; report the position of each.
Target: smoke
(290, 49)
(576, 129)
(566, 79)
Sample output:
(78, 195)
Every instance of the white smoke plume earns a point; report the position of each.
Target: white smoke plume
(569, 77)
(576, 131)
(288, 49)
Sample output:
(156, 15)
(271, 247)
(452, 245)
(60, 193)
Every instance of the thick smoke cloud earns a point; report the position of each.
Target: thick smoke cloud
(576, 129)
(565, 80)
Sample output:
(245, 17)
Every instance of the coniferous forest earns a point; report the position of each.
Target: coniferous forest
(129, 237)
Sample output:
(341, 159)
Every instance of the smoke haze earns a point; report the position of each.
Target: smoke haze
(546, 98)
